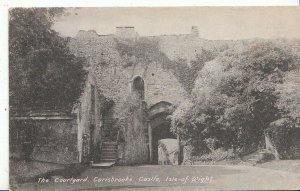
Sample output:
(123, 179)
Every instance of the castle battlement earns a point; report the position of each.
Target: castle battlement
(126, 32)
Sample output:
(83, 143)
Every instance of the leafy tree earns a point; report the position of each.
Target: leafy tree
(42, 71)
(234, 98)
(289, 97)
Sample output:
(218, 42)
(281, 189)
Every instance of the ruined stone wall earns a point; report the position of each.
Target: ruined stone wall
(135, 148)
(86, 118)
(104, 62)
(114, 80)
(56, 141)
(180, 46)
(50, 140)
(113, 74)
(160, 84)
(59, 139)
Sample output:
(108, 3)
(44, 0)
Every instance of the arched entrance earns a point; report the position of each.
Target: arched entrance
(159, 127)
(160, 130)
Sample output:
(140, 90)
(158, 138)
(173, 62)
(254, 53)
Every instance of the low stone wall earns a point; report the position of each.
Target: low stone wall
(52, 140)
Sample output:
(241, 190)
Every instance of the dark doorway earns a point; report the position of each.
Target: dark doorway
(161, 131)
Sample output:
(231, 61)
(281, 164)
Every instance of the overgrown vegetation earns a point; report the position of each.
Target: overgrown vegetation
(236, 97)
(235, 93)
(147, 51)
(216, 155)
(131, 122)
(187, 73)
(43, 74)
(285, 138)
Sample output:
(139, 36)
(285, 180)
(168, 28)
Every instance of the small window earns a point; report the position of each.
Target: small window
(138, 88)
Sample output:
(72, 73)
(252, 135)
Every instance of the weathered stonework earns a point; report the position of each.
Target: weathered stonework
(113, 73)
(56, 141)
(45, 138)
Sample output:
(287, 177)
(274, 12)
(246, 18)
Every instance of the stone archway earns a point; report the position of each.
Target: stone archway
(160, 130)
(159, 127)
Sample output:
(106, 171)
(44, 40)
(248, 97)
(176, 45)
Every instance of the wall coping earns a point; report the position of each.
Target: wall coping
(43, 118)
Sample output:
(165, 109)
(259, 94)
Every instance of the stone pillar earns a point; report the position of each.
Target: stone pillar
(150, 142)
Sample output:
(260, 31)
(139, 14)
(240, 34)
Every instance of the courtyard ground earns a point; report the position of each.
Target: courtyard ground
(29, 171)
(154, 177)
(21, 168)
(283, 165)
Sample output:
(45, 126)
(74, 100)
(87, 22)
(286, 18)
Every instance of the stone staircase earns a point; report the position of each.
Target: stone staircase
(108, 153)
(255, 157)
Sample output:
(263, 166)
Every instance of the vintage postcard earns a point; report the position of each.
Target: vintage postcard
(186, 98)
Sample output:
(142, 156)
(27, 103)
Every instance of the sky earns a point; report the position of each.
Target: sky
(217, 23)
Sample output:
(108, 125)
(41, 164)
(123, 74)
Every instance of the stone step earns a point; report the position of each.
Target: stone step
(103, 164)
(108, 151)
(108, 160)
(109, 154)
(110, 143)
(108, 157)
(109, 148)
(113, 147)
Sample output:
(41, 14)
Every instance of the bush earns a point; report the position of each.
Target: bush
(234, 98)
(284, 137)
(217, 155)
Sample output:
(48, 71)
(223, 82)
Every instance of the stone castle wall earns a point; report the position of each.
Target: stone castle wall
(51, 140)
(113, 72)
(160, 83)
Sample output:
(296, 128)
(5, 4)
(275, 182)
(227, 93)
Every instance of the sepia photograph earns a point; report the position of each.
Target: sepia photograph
(161, 98)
